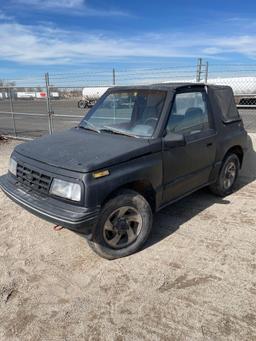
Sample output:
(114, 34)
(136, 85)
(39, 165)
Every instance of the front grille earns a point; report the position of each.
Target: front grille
(33, 179)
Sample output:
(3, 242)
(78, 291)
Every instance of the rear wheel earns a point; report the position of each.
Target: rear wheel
(123, 227)
(82, 104)
(227, 176)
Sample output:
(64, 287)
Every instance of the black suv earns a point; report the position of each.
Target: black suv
(137, 150)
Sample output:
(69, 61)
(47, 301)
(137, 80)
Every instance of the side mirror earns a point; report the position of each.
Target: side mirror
(173, 140)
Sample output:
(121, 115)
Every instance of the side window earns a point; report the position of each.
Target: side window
(189, 114)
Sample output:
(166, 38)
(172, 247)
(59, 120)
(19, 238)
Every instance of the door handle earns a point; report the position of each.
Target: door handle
(209, 144)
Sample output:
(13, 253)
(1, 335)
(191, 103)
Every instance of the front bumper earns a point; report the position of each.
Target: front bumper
(75, 218)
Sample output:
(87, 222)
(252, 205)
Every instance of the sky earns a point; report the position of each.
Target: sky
(66, 36)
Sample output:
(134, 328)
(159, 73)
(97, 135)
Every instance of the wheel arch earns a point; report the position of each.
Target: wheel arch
(143, 187)
(238, 150)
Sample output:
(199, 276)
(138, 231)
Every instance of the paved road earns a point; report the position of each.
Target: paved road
(249, 119)
(38, 125)
(61, 106)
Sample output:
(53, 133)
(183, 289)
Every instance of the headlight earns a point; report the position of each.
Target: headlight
(13, 166)
(65, 189)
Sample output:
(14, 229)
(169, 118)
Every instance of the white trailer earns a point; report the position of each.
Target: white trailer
(3, 95)
(244, 88)
(55, 94)
(40, 94)
(36, 95)
(25, 95)
(240, 85)
(43, 94)
(91, 95)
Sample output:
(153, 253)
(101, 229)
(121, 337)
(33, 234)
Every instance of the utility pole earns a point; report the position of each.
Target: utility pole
(206, 72)
(48, 103)
(199, 70)
(114, 76)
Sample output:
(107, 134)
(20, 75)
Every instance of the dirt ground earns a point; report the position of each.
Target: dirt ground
(194, 280)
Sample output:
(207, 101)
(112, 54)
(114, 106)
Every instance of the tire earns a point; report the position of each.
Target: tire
(123, 227)
(222, 186)
(81, 104)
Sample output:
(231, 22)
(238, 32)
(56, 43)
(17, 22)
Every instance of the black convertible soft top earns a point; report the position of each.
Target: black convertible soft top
(222, 100)
(221, 97)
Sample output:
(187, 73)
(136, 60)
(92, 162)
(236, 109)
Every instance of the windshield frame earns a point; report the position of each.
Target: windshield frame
(114, 90)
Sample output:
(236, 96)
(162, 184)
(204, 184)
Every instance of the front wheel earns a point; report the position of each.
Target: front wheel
(123, 227)
(227, 176)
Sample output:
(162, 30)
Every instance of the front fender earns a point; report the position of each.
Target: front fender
(144, 168)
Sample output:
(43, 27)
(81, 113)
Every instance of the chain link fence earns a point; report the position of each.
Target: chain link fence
(36, 106)
(242, 79)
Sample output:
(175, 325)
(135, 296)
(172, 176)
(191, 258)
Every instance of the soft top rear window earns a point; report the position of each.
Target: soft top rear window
(226, 103)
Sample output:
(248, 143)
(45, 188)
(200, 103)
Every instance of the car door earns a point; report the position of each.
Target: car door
(188, 166)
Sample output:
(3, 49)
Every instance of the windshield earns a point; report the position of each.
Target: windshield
(132, 113)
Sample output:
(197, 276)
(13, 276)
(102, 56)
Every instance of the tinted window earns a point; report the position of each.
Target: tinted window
(189, 114)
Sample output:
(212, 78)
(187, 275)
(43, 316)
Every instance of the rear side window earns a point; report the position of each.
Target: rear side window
(189, 114)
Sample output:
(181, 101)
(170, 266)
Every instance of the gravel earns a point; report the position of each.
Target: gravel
(194, 280)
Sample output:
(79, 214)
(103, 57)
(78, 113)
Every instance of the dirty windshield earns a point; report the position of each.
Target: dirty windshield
(132, 113)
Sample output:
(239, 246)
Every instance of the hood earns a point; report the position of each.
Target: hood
(84, 151)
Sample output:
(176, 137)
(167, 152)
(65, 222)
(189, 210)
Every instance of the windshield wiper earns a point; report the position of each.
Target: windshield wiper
(117, 131)
(90, 126)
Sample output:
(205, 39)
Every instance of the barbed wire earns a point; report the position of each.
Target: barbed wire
(126, 75)
(70, 86)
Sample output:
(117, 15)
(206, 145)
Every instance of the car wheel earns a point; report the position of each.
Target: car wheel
(123, 227)
(227, 176)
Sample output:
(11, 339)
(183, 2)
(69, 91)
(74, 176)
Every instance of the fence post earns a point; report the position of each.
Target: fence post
(206, 72)
(198, 70)
(12, 111)
(48, 103)
(114, 76)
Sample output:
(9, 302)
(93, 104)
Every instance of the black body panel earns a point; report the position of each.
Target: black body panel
(84, 151)
(189, 167)
(78, 219)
